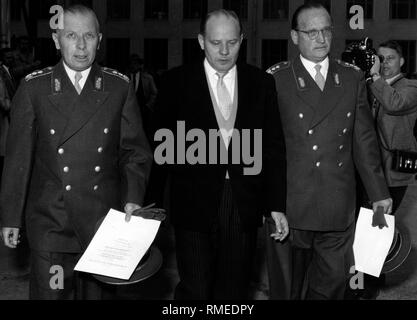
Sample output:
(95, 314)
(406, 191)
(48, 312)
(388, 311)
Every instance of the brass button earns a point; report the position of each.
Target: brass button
(340, 164)
(315, 148)
(68, 188)
(349, 114)
(341, 147)
(301, 116)
(318, 164)
(100, 150)
(97, 169)
(310, 132)
(52, 132)
(95, 188)
(345, 131)
(106, 130)
(66, 169)
(61, 151)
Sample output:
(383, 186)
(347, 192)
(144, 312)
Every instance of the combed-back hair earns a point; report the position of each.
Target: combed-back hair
(306, 6)
(227, 13)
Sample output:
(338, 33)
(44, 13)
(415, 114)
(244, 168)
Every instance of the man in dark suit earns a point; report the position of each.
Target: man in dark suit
(329, 131)
(145, 89)
(217, 206)
(76, 148)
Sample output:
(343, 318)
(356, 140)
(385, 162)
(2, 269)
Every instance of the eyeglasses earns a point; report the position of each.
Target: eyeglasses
(314, 34)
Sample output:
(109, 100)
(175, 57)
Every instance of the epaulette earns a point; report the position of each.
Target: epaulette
(279, 66)
(116, 73)
(347, 65)
(39, 73)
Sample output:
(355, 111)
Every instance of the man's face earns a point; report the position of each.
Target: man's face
(9, 59)
(315, 50)
(78, 41)
(392, 62)
(221, 43)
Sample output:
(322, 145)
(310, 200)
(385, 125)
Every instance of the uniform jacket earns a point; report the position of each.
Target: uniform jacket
(70, 158)
(396, 110)
(196, 190)
(327, 135)
(7, 91)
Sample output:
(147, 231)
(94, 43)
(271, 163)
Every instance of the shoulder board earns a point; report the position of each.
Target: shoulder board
(347, 65)
(39, 73)
(116, 74)
(279, 66)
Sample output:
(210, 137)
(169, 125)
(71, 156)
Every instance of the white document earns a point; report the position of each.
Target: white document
(118, 246)
(371, 244)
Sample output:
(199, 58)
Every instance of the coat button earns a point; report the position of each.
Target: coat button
(97, 169)
(52, 132)
(318, 164)
(349, 114)
(61, 151)
(301, 116)
(315, 148)
(106, 130)
(66, 169)
(95, 188)
(345, 131)
(310, 132)
(341, 147)
(100, 150)
(340, 164)
(68, 188)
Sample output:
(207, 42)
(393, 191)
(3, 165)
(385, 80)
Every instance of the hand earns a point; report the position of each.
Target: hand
(386, 204)
(376, 68)
(10, 237)
(129, 208)
(281, 225)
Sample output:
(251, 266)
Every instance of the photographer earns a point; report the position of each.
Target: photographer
(394, 106)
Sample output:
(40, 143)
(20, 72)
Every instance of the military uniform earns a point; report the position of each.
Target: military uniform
(328, 134)
(70, 158)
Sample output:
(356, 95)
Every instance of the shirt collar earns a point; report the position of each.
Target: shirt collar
(212, 72)
(309, 65)
(71, 73)
(391, 80)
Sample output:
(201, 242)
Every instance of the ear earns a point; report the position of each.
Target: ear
(201, 41)
(241, 38)
(402, 61)
(100, 36)
(56, 40)
(294, 37)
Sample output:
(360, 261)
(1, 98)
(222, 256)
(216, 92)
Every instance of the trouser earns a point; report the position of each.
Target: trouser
(218, 264)
(53, 277)
(321, 262)
(278, 260)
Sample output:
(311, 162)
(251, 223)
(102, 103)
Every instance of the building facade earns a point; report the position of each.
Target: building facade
(165, 32)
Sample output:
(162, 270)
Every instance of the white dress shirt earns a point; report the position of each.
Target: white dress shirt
(309, 65)
(71, 74)
(229, 80)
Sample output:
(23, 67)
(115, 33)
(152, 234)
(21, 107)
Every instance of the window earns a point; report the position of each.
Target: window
(39, 9)
(238, 6)
(195, 9)
(156, 9)
(191, 51)
(118, 53)
(275, 9)
(273, 51)
(156, 54)
(409, 53)
(87, 3)
(367, 5)
(403, 9)
(118, 9)
(325, 3)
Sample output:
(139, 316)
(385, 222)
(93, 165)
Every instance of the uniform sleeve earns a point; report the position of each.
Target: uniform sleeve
(18, 159)
(366, 150)
(275, 164)
(396, 101)
(135, 154)
(4, 99)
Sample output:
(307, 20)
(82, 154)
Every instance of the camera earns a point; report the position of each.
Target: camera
(361, 54)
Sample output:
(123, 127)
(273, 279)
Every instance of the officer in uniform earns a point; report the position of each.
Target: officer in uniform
(76, 148)
(329, 131)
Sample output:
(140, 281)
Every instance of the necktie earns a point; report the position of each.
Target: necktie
(319, 77)
(78, 77)
(225, 102)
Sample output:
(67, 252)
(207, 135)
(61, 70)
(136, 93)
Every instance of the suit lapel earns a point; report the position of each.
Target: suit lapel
(86, 104)
(329, 98)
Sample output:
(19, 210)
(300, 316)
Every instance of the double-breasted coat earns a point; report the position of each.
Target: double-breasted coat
(328, 134)
(70, 158)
